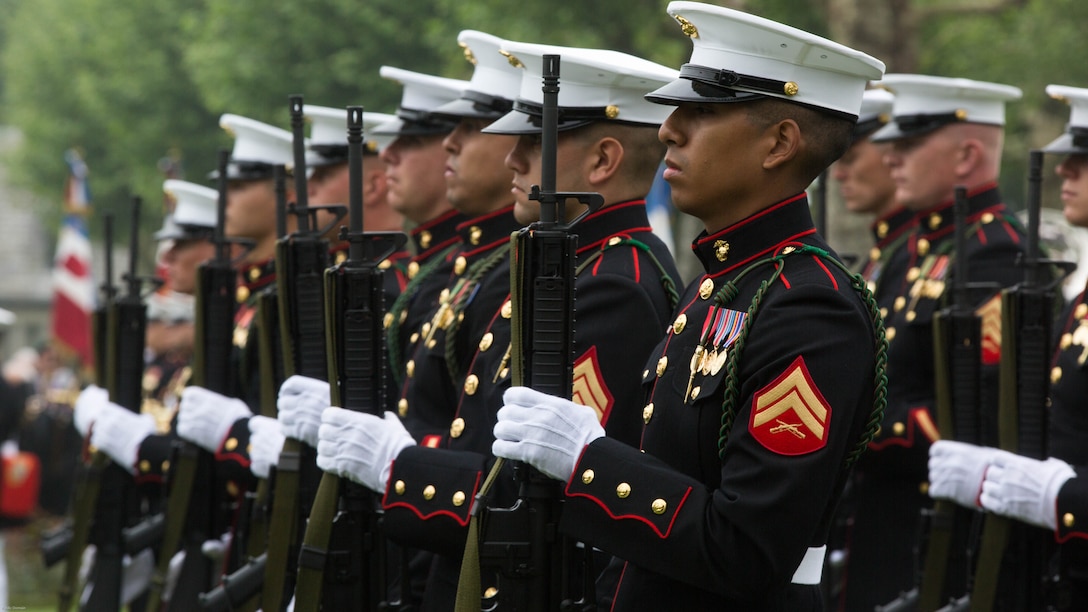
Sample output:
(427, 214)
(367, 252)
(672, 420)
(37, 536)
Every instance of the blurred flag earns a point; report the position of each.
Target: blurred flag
(73, 285)
(659, 208)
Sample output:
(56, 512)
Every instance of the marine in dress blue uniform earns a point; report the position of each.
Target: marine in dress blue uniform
(763, 390)
(890, 489)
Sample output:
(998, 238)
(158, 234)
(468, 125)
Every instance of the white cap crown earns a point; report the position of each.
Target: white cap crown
(924, 103)
(195, 208)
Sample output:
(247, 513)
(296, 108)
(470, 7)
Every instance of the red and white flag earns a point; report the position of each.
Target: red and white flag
(73, 282)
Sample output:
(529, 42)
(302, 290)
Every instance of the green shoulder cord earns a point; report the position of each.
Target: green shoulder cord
(729, 291)
(459, 299)
(398, 308)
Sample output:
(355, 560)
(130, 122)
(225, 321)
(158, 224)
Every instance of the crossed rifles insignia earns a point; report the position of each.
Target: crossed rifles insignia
(790, 416)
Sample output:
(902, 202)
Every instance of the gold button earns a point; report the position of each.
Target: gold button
(254, 273)
(587, 476)
(166, 466)
(403, 316)
(384, 265)
(459, 498)
(425, 329)
(874, 253)
(402, 407)
(695, 392)
(662, 364)
(249, 449)
(987, 218)
(889, 334)
(1080, 311)
(413, 338)
(425, 239)
(648, 413)
(485, 342)
(507, 309)
(410, 367)
(399, 487)
(472, 382)
(679, 324)
(1067, 341)
(232, 489)
(444, 296)
(659, 506)
(1055, 374)
(913, 274)
(503, 373)
(882, 229)
(923, 488)
(911, 316)
(387, 320)
(883, 311)
(459, 265)
(623, 490)
(490, 592)
(241, 294)
(432, 343)
(145, 466)
(428, 492)
(614, 240)
(474, 234)
(706, 288)
(900, 302)
(413, 269)
(230, 444)
(645, 373)
(1068, 519)
(934, 221)
(898, 429)
(721, 250)
(457, 427)
(923, 246)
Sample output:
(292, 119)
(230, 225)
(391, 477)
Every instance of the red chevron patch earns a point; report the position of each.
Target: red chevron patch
(790, 416)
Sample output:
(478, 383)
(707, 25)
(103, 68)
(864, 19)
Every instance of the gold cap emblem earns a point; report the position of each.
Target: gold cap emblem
(510, 57)
(687, 27)
(469, 57)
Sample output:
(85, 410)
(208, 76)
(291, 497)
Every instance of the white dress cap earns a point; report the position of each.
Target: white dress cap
(328, 142)
(924, 103)
(420, 98)
(195, 211)
(258, 147)
(594, 85)
(737, 57)
(495, 80)
(876, 112)
(1075, 138)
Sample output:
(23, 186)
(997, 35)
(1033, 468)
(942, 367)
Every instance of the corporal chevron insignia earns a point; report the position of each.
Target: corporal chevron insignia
(789, 415)
(990, 315)
(589, 388)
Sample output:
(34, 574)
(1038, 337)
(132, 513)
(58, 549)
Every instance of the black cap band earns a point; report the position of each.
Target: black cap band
(729, 79)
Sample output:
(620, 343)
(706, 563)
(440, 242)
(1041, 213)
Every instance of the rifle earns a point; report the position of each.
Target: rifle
(1027, 312)
(957, 361)
(192, 512)
(341, 564)
(520, 541)
(116, 501)
(301, 260)
(69, 541)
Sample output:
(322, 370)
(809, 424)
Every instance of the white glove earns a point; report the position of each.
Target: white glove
(266, 441)
(119, 433)
(360, 447)
(172, 574)
(88, 405)
(544, 431)
(214, 549)
(301, 401)
(135, 572)
(205, 417)
(1026, 489)
(956, 470)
